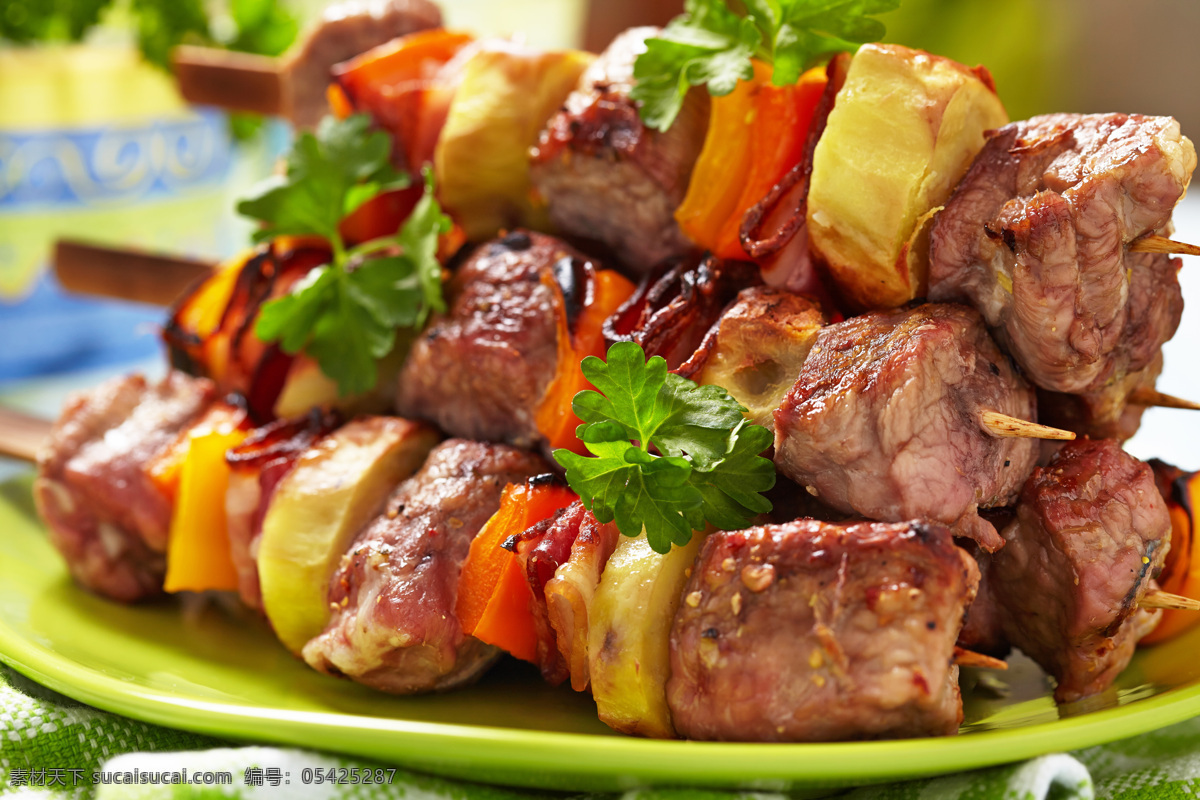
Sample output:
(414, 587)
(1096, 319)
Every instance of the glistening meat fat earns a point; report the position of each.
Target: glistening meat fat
(884, 420)
(813, 631)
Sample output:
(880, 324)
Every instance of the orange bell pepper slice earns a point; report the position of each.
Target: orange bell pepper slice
(494, 599)
(198, 555)
(756, 134)
(389, 81)
(1181, 574)
(554, 417)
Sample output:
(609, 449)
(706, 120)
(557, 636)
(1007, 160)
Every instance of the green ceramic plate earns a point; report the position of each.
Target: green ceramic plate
(212, 672)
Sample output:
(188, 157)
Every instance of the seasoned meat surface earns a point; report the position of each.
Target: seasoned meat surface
(1037, 234)
(606, 176)
(1091, 529)
(345, 30)
(814, 631)
(480, 371)
(883, 420)
(104, 514)
(394, 626)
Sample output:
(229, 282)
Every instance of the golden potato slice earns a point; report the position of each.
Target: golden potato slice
(630, 624)
(335, 489)
(761, 345)
(903, 130)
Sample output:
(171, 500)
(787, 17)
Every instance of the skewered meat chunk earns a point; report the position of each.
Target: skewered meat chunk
(394, 627)
(480, 371)
(1091, 529)
(1106, 413)
(103, 512)
(608, 177)
(814, 631)
(344, 31)
(1037, 234)
(884, 420)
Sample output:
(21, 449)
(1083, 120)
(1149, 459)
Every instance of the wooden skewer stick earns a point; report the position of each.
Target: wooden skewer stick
(969, 658)
(21, 435)
(1003, 425)
(125, 274)
(1150, 397)
(1152, 243)
(1157, 599)
(237, 81)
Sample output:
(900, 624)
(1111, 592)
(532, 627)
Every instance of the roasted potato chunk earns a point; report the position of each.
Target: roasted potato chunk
(762, 341)
(628, 650)
(903, 130)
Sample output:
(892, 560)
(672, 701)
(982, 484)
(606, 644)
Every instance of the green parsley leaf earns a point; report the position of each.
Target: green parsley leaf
(711, 45)
(419, 241)
(708, 467)
(346, 314)
(328, 176)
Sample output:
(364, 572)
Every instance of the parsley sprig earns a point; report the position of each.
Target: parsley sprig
(711, 44)
(345, 314)
(707, 467)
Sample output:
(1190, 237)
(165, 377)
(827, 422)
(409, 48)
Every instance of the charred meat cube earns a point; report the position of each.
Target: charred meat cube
(1090, 532)
(393, 597)
(814, 631)
(103, 510)
(1037, 238)
(884, 420)
(609, 178)
(481, 370)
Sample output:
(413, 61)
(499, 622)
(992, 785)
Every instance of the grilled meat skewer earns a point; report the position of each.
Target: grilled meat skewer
(102, 511)
(294, 86)
(394, 626)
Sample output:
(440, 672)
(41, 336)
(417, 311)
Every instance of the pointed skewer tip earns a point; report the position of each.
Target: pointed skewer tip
(1158, 599)
(969, 658)
(999, 424)
(1161, 244)
(1150, 397)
